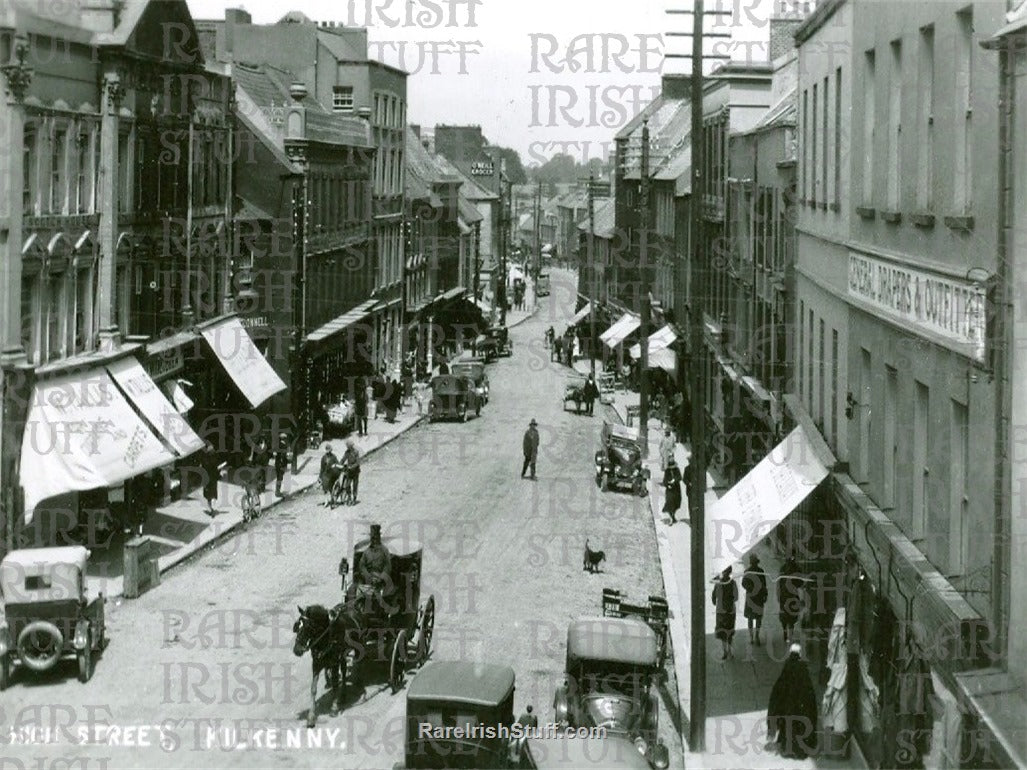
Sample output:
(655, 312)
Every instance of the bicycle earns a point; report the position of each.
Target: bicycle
(251, 503)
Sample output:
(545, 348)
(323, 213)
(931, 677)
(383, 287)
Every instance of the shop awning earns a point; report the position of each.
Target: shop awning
(614, 326)
(619, 332)
(664, 359)
(176, 394)
(143, 392)
(660, 340)
(581, 315)
(763, 499)
(342, 322)
(82, 433)
(243, 362)
(452, 294)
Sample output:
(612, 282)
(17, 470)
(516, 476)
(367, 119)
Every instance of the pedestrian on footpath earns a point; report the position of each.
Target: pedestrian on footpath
(351, 467)
(725, 598)
(754, 582)
(329, 474)
(260, 460)
(530, 446)
(211, 475)
(672, 483)
(792, 714)
(591, 394)
(360, 407)
(281, 463)
(789, 597)
(667, 444)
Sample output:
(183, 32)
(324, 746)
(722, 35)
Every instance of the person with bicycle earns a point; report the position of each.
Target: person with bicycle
(351, 472)
(329, 474)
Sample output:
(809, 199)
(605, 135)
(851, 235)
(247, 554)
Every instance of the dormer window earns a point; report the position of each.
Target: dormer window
(342, 98)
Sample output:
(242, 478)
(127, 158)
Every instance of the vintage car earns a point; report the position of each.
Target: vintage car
(572, 752)
(446, 702)
(619, 460)
(473, 368)
(47, 615)
(452, 396)
(498, 337)
(486, 349)
(612, 674)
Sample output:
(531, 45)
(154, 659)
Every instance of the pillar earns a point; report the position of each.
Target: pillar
(112, 94)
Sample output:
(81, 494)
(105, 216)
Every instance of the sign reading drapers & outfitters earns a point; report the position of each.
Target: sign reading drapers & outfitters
(952, 309)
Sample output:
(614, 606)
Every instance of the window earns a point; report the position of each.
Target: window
(864, 400)
(342, 98)
(838, 136)
(57, 159)
(834, 386)
(921, 442)
(805, 145)
(925, 144)
(809, 361)
(821, 403)
(813, 158)
(890, 455)
(964, 106)
(82, 201)
(29, 157)
(869, 125)
(959, 502)
(83, 308)
(29, 309)
(894, 124)
(823, 161)
(55, 300)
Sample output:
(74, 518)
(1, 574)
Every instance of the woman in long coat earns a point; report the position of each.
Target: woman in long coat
(672, 483)
(754, 581)
(725, 599)
(792, 714)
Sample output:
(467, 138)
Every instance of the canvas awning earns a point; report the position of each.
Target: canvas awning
(176, 394)
(581, 315)
(82, 433)
(342, 322)
(243, 362)
(664, 359)
(619, 332)
(659, 340)
(151, 402)
(754, 506)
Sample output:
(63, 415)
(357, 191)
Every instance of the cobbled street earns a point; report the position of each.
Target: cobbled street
(208, 654)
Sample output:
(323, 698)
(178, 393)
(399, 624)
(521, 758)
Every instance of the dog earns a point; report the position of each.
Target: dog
(592, 559)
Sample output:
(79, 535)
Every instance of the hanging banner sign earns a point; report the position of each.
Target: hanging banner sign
(952, 309)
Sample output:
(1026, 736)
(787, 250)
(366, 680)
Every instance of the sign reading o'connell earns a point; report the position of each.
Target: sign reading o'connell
(950, 308)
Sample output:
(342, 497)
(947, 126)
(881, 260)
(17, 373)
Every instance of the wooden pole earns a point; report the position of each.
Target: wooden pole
(595, 273)
(697, 464)
(643, 266)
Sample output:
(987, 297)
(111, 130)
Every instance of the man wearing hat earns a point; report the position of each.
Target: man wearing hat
(530, 449)
(667, 444)
(281, 462)
(375, 569)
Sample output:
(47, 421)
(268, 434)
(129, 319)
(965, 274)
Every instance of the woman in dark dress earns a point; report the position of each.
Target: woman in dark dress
(754, 582)
(672, 483)
(792, 714)
(725, 598)
(211, 475)
(360, 407)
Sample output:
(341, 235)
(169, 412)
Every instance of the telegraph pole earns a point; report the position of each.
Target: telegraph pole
(500, 294)
(643, 264)
(537, 266)
(590, 258)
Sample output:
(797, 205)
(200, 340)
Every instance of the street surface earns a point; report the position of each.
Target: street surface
(212, 645)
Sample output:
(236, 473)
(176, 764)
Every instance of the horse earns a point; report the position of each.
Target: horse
(317, 632)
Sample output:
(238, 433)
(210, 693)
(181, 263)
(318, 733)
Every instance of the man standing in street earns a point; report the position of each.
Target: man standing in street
(667, 444)
(360, 407)
(281, 462)
(591, 394)
(530, 449)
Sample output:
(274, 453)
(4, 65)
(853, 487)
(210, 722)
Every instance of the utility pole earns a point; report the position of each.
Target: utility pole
(501, 279)
(537, 261)
(643, 266)
(590, 258)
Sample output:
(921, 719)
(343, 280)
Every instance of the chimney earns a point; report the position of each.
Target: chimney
(296, 119)
(416, 129)
(676, 86)
(787, 17)
(101, 15)
(234, 17)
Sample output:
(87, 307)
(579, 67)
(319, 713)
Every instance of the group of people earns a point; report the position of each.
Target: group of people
(565, 348)
(340, 479)
(262, 460)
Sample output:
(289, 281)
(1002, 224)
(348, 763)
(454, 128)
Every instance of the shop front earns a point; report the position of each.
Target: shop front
(614, 338)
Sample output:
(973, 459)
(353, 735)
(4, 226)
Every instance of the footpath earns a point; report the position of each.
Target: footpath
(181, 528)
(737, 689)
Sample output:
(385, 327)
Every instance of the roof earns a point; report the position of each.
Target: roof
(669, 129)
(618, 640)
(422, 170)
(29, 557)
(783, 113)
(469, 188)
(574, 753)
(479, 684)
(467, 210)
(604, 216)
(1016, 21)
(816, 20)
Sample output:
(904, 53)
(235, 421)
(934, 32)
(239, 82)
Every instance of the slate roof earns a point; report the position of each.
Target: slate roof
(605, 223)
(781, 114)
(468, 211)
(469, 188)
(421, 169)
(669, 128)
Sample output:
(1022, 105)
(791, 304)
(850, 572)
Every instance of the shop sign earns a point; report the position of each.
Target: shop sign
(952, 309)
(165, 364)
(482, 169)
(256, 322)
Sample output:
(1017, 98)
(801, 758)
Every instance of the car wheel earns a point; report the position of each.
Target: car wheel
(5, 672)
(463, 413)
(85, 663)
(40, 645)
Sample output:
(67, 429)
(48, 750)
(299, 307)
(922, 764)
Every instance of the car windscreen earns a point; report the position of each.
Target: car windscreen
(610, 678)
(448, 387)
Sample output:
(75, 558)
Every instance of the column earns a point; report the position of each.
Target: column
(112, 94)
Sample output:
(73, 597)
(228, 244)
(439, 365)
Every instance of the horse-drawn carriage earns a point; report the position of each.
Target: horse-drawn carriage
(375, 624)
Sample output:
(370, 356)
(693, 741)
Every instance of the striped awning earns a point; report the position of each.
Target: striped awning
(660, 340)
(336, 325)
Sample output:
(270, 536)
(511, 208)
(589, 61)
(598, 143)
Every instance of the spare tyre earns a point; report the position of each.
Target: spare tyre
(40, 645)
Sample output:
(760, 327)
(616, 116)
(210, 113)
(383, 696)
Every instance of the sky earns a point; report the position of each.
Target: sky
(541, 76)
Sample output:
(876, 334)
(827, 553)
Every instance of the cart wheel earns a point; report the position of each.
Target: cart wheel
(425, 632)
(397, 666)
(5, 672)
(85, 662)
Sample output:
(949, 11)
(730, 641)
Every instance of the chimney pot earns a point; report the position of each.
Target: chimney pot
(298, 92)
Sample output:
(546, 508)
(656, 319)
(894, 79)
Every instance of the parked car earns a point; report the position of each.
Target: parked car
(564, 752)
(542, 285)
(460, 694)
(47, 617)
(619, 460)
(612, 674)
(486, 348)
(499, 336)
(474, 369)
(452, 397)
